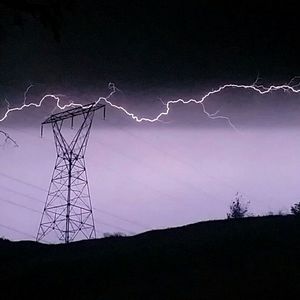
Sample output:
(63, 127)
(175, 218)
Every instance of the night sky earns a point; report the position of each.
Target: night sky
(184, 170)
(142, 44)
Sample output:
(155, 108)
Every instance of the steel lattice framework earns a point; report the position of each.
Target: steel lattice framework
(68, 210)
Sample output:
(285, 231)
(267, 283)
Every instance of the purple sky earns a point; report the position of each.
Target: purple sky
(158, 175)
(145, 176)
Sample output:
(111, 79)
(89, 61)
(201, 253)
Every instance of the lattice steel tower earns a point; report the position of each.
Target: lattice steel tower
(68, 210)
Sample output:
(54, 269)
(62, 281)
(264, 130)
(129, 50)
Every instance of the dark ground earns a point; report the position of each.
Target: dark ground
(252, 258)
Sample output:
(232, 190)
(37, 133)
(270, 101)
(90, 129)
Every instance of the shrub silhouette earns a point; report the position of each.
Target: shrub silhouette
(295, 209)
(114, 234)
(237, 209)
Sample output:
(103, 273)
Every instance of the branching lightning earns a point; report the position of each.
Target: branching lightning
(113, 89)
(256, 88)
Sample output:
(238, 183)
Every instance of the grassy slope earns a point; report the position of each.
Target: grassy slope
(253, 258)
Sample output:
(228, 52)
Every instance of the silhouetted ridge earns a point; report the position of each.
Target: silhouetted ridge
(252, 258)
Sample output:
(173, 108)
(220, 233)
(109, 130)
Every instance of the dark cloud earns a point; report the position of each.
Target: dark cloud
(84, 42)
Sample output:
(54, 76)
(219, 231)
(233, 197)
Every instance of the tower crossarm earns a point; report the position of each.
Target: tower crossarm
(71, 113)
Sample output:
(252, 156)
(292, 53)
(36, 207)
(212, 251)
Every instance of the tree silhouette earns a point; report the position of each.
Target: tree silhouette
(237, 209)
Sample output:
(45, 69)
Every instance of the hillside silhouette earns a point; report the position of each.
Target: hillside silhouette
(251, 258)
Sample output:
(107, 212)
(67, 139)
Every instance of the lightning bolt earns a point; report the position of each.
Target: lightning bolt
(260, 89)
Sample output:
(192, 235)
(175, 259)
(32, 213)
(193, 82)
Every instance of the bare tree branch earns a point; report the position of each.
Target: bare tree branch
(7, 138)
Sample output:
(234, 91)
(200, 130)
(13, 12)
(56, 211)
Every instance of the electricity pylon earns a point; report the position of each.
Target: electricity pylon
(68, 210)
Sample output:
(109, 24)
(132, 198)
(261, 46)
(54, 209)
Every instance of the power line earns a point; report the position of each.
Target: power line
(38, 212)
(22, 181)
(17, 230)
(20, 205)
(122, 218)
(44, 190)
(187, 183)
(192, 167)
(20, 194)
